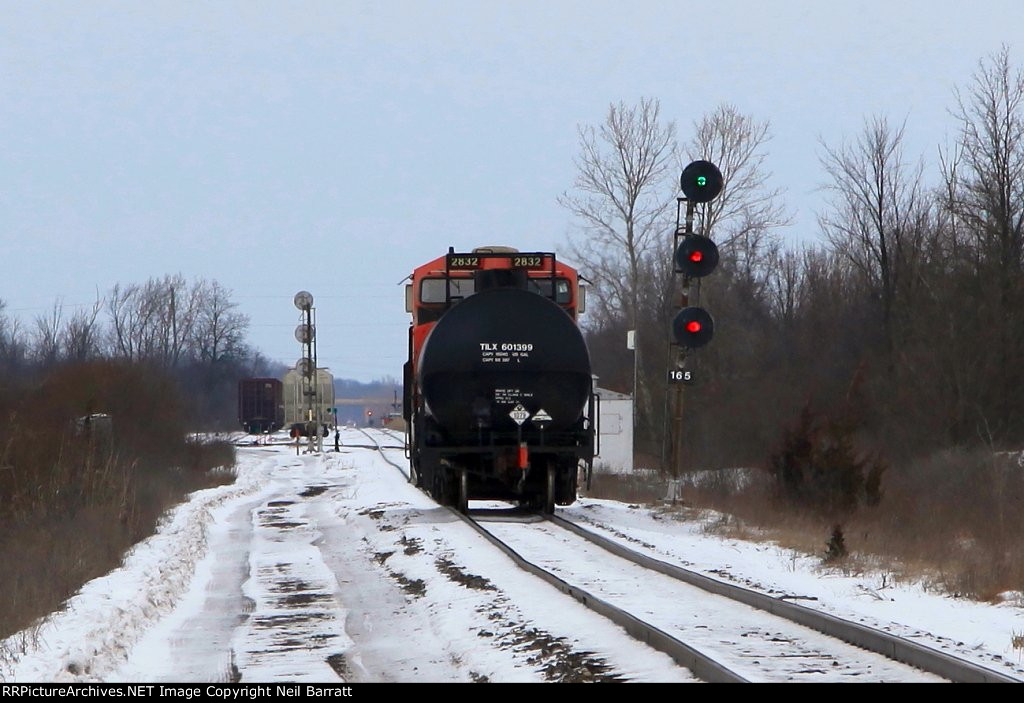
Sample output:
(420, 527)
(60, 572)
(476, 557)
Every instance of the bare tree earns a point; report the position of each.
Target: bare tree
(13, 348)
(742, 221)
(80, 337)
(179, 314)
(46, 336)
(785, 286)
(219, 330)
(985, 171)
(622, 197)
(984, 194)
(128, 320)
(155, 321)
(748, 209)
(879, 215)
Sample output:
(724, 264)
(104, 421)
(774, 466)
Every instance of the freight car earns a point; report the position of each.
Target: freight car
(498, 392)
(297, 402)
(260, 405)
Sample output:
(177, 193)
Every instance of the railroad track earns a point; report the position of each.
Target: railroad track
(380, 449)
(771, 635)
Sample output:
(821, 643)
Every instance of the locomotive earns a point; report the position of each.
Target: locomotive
(498, 393)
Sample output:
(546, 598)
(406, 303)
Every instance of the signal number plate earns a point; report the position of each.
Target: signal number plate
(680, 376)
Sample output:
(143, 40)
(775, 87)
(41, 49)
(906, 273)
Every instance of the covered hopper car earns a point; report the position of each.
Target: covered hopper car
(498, 392)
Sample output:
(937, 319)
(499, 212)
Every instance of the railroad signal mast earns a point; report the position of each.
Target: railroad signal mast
(695, 256)
(305, 334)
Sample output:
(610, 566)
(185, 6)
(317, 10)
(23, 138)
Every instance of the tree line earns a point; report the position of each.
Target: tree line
(901, 327)
(190, 331)
(98, 407)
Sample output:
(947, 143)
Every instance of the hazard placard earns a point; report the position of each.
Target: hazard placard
(519, 414)
(541, 417)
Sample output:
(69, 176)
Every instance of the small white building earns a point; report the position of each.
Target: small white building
(616, 449)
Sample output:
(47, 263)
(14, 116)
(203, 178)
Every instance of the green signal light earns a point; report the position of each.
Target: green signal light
(700, 181)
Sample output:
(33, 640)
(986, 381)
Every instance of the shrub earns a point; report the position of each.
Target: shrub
(835, 548)
(76, 495)
(817, 468)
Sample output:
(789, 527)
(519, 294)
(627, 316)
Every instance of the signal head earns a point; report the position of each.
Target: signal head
(701, 181)
(693, 327)
(303, 300)
(697, 256)
(305, 334)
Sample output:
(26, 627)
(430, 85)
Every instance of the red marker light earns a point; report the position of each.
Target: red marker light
(693, 327)
(696, 256)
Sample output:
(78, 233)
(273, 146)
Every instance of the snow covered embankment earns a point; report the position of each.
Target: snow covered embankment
(98, 627)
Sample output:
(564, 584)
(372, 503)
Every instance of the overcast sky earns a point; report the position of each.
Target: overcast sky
(334, 146)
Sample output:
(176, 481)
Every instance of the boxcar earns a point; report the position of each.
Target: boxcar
(260, 405)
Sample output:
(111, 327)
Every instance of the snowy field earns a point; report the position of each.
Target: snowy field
(332, 568)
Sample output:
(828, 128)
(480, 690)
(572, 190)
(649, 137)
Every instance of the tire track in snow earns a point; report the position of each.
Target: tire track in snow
(296, 629)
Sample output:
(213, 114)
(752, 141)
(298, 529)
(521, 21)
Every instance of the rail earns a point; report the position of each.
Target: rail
(703, 666)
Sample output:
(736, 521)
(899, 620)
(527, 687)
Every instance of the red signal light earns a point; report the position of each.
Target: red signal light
(693, 327)
(696, 256)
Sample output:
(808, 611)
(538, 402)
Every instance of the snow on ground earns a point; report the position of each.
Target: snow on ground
(332, 567)
(324, 568)
(484, 617)
(99, 625)
(982, 632)
(756, 645)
